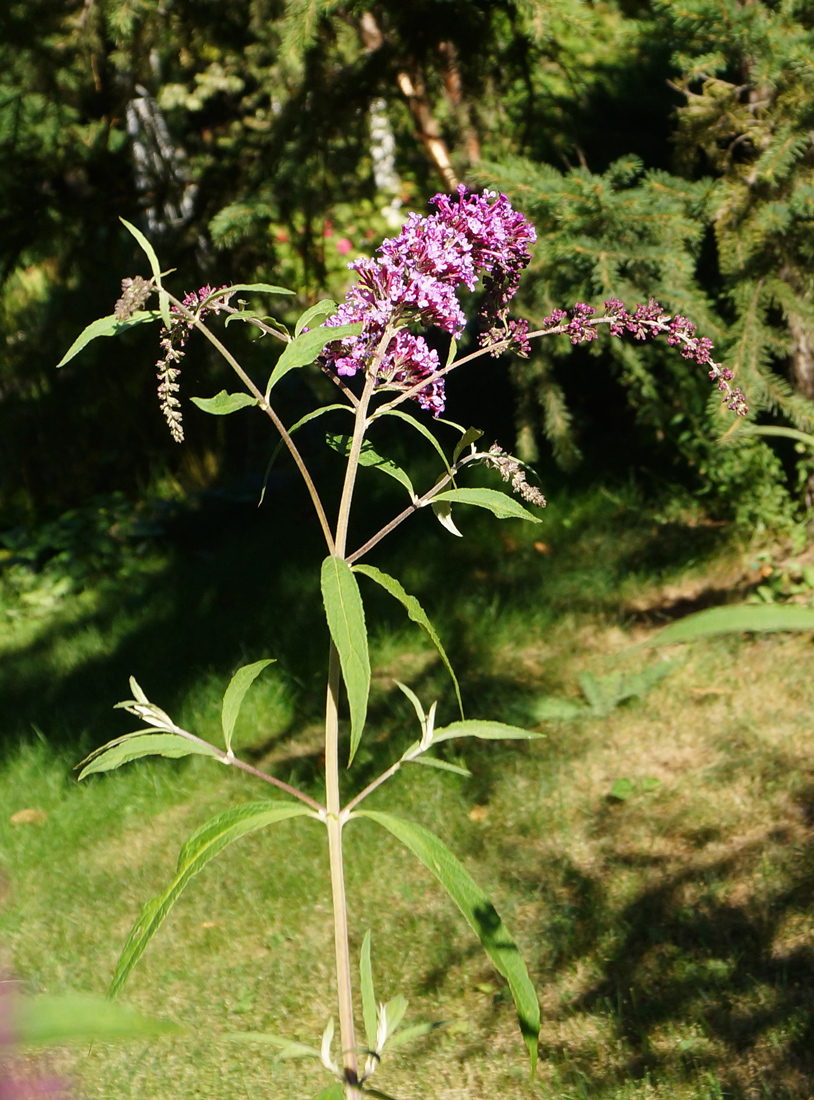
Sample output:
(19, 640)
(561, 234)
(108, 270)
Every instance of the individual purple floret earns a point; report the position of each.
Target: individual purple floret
(415, 279)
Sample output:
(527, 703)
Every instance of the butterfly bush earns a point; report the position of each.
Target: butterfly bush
(415, 278)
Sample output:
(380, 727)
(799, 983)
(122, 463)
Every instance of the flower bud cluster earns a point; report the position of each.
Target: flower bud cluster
(511, 470)
(648, 321)
(414, 280)
(172, 344)
(135, 293)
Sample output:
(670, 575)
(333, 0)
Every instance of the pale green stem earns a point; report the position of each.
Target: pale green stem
(334, 822)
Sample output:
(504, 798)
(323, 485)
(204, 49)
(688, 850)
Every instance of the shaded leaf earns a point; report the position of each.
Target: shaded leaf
(204, 844)
(549, 708)
(306, 347)
(738, 619)
(368, 456)
(233, 697)
(133, 746)
(224, 403)
(107, 326)
(416, 613)
(500, 504)
(346, 621)
(479, 913)
(471, 435)
(421, 429)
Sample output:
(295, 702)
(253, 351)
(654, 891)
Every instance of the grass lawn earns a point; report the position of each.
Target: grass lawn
(669, 931)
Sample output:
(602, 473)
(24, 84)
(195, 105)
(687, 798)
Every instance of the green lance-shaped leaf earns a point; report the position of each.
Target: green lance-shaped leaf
(233, 697)
(500, 504)
(368, 993)
(369, 456)
(133, 746)
(320, 310)
(286, 1048)
(332, 1092)
(204, 844)
(346, 621)
(294, 428)
(479, 913)
(416, 613)
(55, 1018)
(471, 435)
(420, 428)
(224, 403)
(486, 731)
(410, 1034)
(149, 251)
(306, 347)
(441, 765)
(248, 288)
(741, 618)
(107, 326)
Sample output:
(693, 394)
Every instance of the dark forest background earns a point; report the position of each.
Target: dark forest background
(661, 149)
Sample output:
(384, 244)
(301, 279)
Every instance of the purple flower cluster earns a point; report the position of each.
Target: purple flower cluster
(172, 343)
(647, 321)
(415, 279)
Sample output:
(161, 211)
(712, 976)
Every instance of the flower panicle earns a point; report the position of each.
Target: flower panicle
(196, 305)
(469, 238)
(648, 321)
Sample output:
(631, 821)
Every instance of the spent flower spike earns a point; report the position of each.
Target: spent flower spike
(470, 237)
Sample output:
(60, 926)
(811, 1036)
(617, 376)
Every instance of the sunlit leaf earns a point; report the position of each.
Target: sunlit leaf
(134, 746)
(233, 697)
(51, 1019)
(346, 621)
(248, 288)
(441, 765)
(416, 613)
(107, 326)
(443, 513)
(479, 913)
(332, 1092)
(320, 310)
(204, 844)
(149, 251)
(486, 731)
(306, 347)
(368, 993)
(410, 1034)
(500, 504)
(224, 403)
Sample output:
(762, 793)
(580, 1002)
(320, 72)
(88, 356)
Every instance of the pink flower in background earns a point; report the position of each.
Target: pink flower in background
(343, 246)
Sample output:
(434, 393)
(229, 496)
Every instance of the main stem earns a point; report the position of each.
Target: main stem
(344, 983)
